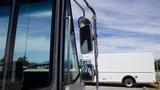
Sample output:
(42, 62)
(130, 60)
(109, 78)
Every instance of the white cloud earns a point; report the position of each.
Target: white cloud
(139, 16)
(114, 45)
(129, 23)
(136, 17)
(34, 44)
(42, 14)
(2, 41)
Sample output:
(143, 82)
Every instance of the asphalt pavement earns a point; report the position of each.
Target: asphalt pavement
(111, 88)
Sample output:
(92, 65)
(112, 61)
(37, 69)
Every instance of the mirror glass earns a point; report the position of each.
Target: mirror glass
(85, 35)
(87, 72)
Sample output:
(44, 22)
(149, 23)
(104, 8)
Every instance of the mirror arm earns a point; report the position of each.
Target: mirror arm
(95, 42)
(93, 11)
(80, 7)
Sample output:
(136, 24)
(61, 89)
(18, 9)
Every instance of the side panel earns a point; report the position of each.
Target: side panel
(126, 62)
(110, 77)
(114, 67)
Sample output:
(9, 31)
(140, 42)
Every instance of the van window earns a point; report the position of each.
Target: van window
(32, 44)
(71, 68)
(4, 22)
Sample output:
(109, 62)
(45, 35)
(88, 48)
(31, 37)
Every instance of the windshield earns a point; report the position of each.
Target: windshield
(31, 57)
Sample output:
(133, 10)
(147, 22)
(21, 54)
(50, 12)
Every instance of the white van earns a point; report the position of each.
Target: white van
(126, 68)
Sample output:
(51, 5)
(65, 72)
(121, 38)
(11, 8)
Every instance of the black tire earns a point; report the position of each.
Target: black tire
(129, 82)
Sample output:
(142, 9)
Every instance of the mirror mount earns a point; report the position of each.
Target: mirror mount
(80, 7)
(95, 40)
(82, 22)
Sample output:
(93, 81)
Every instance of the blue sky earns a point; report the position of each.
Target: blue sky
(125, 26)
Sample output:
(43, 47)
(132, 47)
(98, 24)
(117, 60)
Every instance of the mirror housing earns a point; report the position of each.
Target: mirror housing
(86, 43)
(87, 72)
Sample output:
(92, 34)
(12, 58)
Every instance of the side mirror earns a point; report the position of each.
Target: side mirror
(85, 35)
(87, 72)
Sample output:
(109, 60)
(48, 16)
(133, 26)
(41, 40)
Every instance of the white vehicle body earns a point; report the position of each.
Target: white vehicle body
(114, 68)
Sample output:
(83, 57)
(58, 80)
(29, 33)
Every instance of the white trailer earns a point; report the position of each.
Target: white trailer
(126, 68)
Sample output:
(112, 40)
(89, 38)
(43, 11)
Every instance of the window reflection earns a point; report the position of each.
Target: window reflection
(32, 44)
(4, 21)
(71, 69)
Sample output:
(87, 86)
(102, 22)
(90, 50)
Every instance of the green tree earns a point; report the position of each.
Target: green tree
(157, 64)
(23, 60)
(2, 60)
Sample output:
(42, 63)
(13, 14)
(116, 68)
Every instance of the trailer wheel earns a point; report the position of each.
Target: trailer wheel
(129, 82)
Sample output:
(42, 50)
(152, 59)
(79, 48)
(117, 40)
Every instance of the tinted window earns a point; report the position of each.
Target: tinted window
(4, 22)
(32, 45)
(71, 69)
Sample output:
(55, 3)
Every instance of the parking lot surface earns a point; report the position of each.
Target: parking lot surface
(111, 88)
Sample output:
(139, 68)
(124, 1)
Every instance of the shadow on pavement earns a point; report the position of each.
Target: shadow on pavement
(120, 85)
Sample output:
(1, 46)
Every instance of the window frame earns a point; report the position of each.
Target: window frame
(69, 12)
(10, 43)
(26, 74)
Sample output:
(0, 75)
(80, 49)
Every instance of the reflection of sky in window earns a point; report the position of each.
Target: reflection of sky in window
(40, 18)
(4, 18)
(38, 43)
(70, 54)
